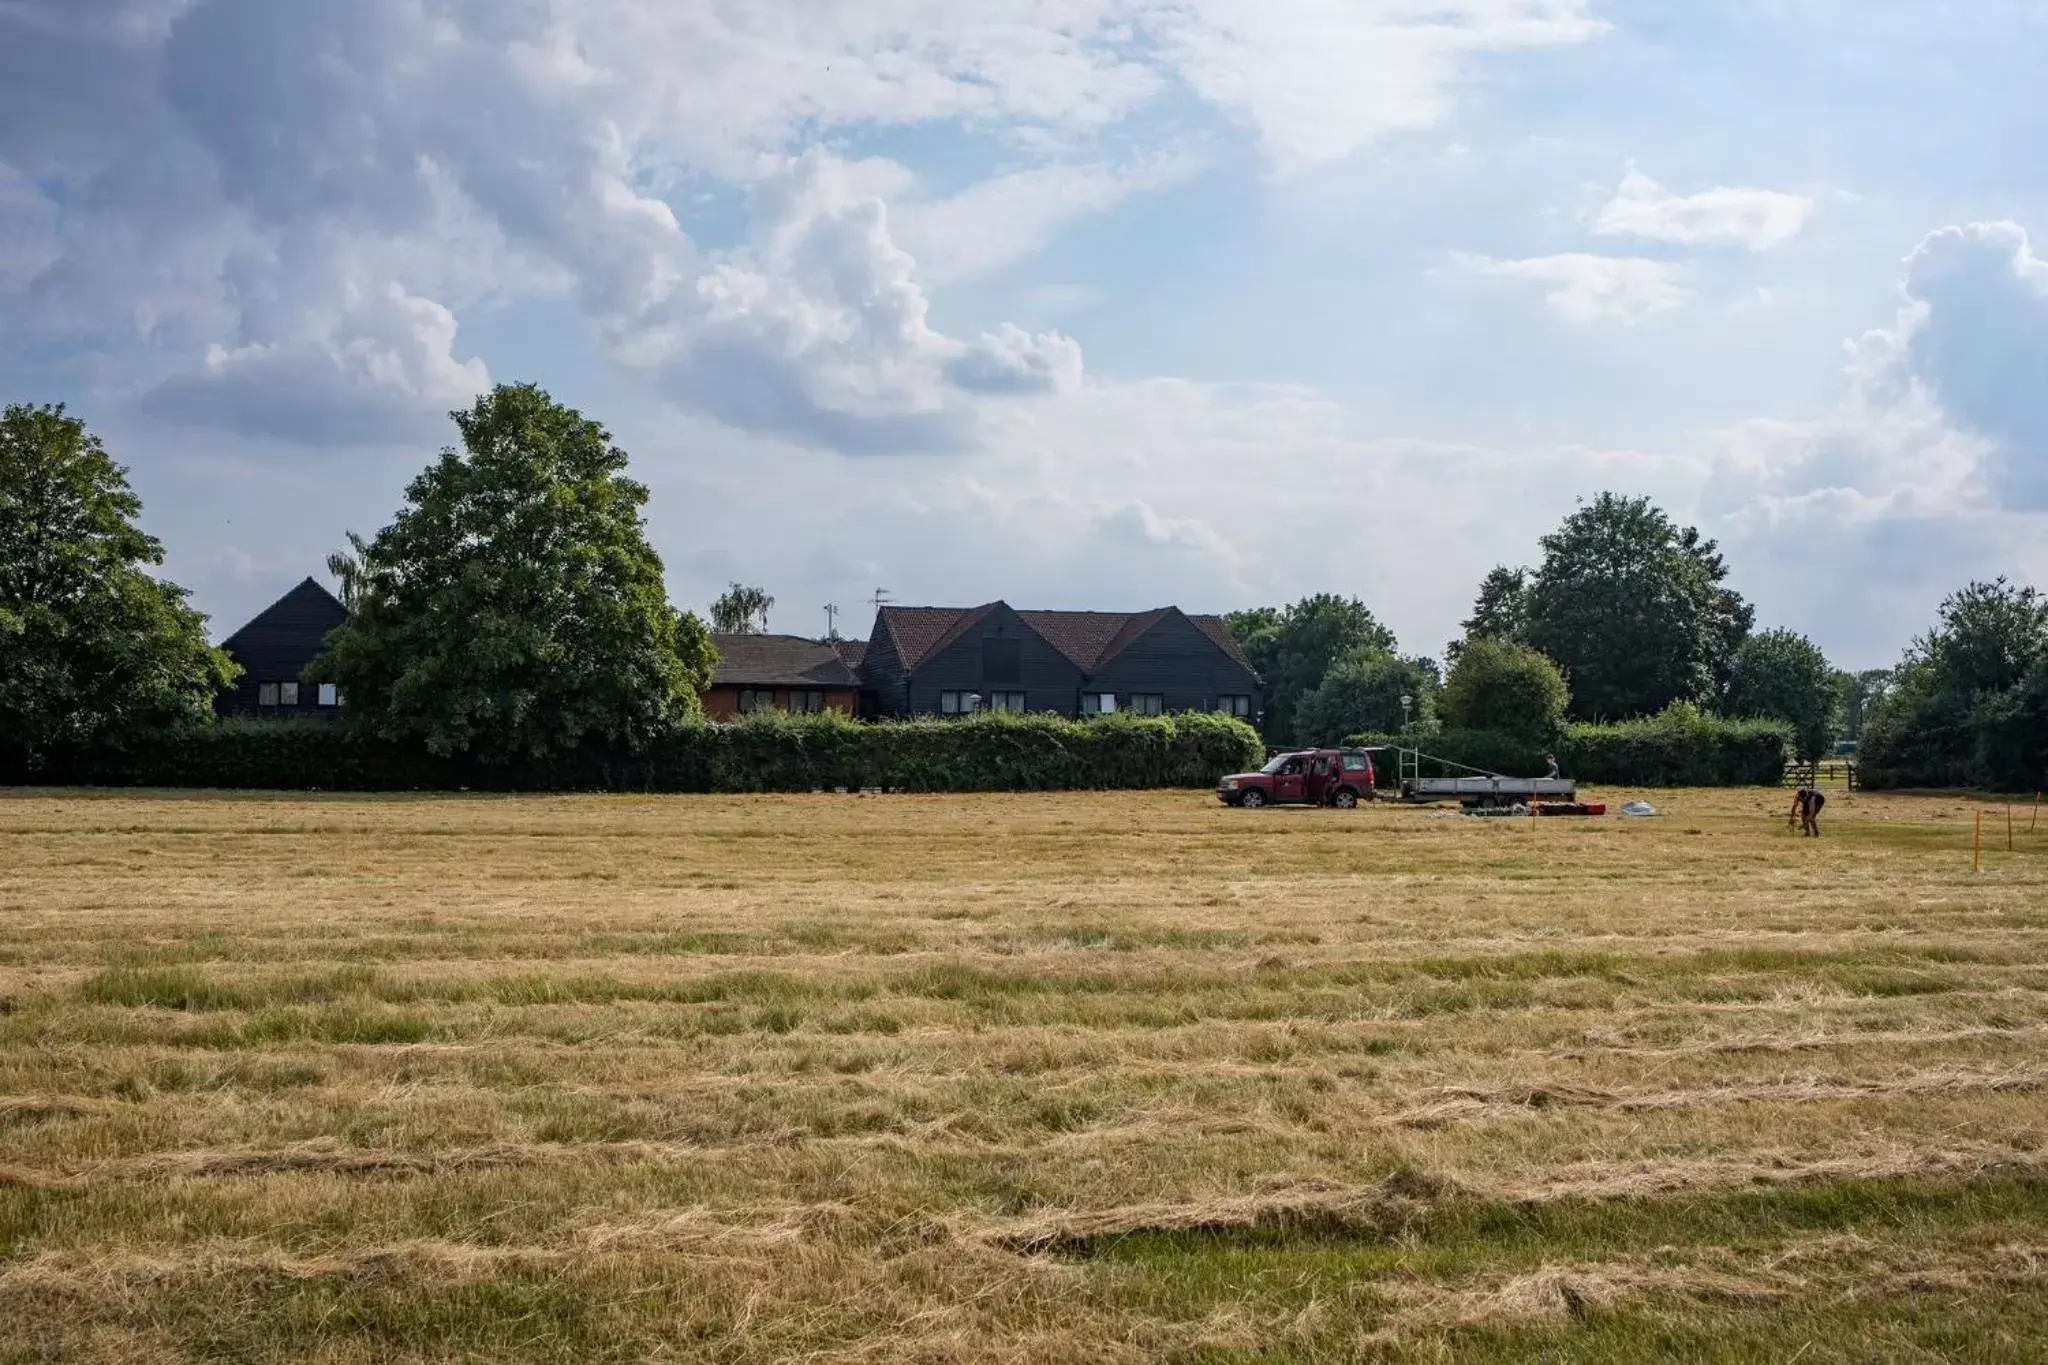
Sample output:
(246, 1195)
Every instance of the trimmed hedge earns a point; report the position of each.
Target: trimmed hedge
(761, 754)
(1682, 747)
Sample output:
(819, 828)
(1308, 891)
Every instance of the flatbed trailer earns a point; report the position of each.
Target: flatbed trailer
(1475, 787)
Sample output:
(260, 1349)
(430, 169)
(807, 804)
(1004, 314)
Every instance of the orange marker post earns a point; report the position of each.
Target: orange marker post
(1977, 845)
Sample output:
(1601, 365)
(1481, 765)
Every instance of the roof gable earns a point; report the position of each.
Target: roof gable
(1086, 639)
(1218, 630)
(779, 661)
(307, 605)
(918, 632)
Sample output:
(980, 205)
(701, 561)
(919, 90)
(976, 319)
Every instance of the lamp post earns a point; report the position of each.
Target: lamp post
(1407, 702)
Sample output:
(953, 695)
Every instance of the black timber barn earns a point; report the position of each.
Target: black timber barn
(955, 660)
(274, 650)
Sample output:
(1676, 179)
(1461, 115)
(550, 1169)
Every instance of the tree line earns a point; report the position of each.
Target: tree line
(514, 611)
(1627, 615)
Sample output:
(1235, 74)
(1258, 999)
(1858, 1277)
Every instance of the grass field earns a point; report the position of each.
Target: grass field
(1016, 1078)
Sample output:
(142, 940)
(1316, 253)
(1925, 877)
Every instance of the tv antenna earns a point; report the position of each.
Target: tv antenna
(881, 598)
(831, 621)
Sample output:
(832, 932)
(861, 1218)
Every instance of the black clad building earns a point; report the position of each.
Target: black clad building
(274, 650)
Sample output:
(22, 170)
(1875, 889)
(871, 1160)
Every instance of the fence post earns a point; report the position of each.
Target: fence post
(1977, 845)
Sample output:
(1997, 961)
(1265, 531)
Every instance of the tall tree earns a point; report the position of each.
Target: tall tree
(741, 610)
(93, 648)
(1501, 611)
(514, 609)
(1633, 609)
(1507, 689)
(1361, 694)
(1293, 648)
(1988, 636)
(1857, 694)
(1780, 675)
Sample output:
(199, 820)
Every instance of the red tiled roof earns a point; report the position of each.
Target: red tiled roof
(1088, 639)
(852, 653)
(917, 630)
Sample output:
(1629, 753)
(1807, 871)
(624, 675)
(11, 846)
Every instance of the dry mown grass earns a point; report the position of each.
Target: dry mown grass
(1015, 1078)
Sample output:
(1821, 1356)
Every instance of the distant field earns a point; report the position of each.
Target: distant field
(1087, 1078)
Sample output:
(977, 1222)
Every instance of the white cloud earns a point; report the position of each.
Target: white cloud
(1932, 468)
(1756, 219)
(1588, 289)
(1320, 79)
(818, 329)
(998, 221)
(382, 369)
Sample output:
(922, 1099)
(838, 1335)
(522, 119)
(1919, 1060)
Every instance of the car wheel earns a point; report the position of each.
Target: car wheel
(1252, 799)
(1346, 799)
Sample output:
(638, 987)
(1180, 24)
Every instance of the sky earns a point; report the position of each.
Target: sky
(1081, 304)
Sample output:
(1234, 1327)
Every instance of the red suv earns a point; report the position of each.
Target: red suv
(1316, 777)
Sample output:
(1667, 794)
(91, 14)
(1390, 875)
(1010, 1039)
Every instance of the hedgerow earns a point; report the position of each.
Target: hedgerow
(1682, 747)
(762, 754)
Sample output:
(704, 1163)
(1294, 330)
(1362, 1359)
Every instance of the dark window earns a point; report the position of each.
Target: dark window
(1002, 660)
(752, 701)
(807, 703)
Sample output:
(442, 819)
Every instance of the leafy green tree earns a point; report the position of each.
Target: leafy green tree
(1361, 693)
(93, 648)
(1307, 640)
(1856, 694)
(1505, 688)
(1780, 675)
(514, 609)
(1989, 635)
(1500, 613)
(741, 610)
(1632, 608)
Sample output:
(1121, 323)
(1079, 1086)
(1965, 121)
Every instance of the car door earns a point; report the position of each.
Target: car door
(1319, 775)
(1289, 782)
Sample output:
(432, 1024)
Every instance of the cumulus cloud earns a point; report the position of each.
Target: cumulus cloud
(1976, 335)
(1941, 414)
(1588, 289)
(479, 150)
(383, 370)
(1759, 220)
(818, 329)
(1931, 468)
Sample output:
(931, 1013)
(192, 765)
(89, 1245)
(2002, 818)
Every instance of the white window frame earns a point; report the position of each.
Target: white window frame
(1238, 706)
(288, 694)
(266, 694)
(330, 695)
(1148, 704)
(1092, 703)
(808, 703)
(961, 703)
(1011, 703)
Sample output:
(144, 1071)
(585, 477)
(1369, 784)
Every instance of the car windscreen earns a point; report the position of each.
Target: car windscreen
(1276, 764)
